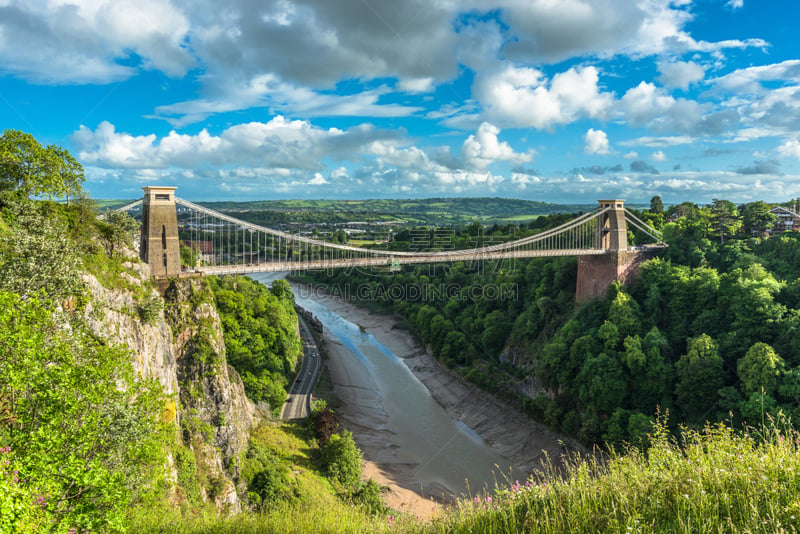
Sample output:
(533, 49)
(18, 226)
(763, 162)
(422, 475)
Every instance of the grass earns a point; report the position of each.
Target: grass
(709, 481)
(715, 480)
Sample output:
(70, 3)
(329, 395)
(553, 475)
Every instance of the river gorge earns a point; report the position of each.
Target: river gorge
(424, 433)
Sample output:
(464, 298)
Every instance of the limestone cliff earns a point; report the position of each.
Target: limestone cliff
(178, 341)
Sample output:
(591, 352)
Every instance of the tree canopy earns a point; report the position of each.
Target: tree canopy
(31, 169)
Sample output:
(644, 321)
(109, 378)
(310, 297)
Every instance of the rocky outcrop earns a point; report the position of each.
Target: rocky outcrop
(178, 341)
(212, 394)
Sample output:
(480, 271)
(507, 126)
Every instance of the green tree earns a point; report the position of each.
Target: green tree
(725, 219)
(656, 205)
(28, 168)
(761, 369)
(699, 377)
(603, 384)
(117, 229)
(341, 459)
(757, 218)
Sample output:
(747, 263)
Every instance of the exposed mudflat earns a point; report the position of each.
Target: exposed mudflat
(525, 443)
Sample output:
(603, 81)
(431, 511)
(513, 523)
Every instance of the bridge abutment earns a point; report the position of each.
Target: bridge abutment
(619, 264)
(597, 273)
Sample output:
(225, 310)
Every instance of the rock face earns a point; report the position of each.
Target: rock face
(178, 341)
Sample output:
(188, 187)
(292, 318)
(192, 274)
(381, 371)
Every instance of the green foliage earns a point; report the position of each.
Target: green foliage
(367, 496)
(20, 509)
(78, 422)
(150, 310)
(37, 255)
(260, 331)
(117, 229)
(656, 205)
(28, 168)
(341, 459)
(266, 475)
(761, 369)
(699, 377)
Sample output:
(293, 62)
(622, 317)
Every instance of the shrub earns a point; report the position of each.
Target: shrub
(341, 459)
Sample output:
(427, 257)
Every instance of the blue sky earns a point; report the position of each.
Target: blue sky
(556, 100)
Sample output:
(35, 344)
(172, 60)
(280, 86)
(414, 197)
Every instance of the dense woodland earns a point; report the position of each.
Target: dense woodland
(260, 330)
(708, 332)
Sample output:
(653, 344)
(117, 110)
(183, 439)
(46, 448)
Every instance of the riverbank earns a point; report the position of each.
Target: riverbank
(525, 443)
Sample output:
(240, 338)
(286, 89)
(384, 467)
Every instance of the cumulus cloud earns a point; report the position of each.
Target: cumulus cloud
(735, 4)
(92, 42)
(650, 106)
(523, 96)
(285, 154)
(790, 148)
(278, 143)
(680, 74)
(595, 142)
(483, 148)
(659, 155)
(547, 31)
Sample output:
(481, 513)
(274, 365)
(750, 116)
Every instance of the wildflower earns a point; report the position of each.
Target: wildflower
(390, 519)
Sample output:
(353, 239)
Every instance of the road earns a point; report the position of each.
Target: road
(298, 401)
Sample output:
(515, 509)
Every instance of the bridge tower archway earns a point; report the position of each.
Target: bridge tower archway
(160, 246)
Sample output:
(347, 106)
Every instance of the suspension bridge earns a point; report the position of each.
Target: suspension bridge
(222, 244)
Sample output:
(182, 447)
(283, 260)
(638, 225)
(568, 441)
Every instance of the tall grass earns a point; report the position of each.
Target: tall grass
(297, 518)
(710, 481)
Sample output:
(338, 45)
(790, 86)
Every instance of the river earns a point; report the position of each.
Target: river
(419, 432)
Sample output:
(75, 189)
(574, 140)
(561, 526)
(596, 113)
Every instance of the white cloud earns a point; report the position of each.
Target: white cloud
(92, 41)
(522, 96)
(659, 155)
(595, 142)
(650, 106)
(268, 91)
(416, 85)
(663, 141)
(790, 148)
(483, 148)
(278, 143)
(680, 74)
(318, 179)
(735, 4)
(751, 79)
(631, 155)
(551, 31)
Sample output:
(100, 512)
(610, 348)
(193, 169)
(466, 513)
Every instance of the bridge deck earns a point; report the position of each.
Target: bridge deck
(390, 260)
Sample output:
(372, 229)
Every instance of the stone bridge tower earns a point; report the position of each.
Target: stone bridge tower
(160, 247)
(620, 263)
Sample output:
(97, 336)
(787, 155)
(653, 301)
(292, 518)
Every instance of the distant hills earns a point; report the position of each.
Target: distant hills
(428, 211)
